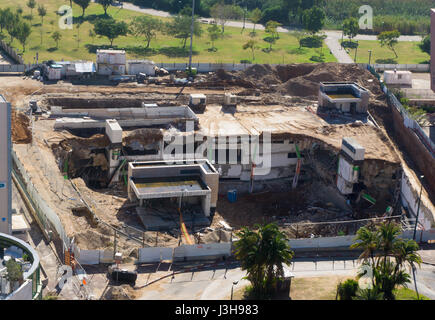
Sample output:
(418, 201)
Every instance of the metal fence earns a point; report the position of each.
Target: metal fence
(11, 52)
(401, 67)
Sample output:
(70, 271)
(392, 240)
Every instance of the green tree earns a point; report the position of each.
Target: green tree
(12, 21)
(262, 254)
(347, 290)
(145, 26)
(256, 16)
(368, 294)
(105, 4)
(252, 45)
(22, 33)
(350, 28)
(313, 19)
(222, 12)
(387, 256)
(180, 26)
(14, 271)
(110, 28)
(56, 36)
(6, 19)
(82, 4)
(389, 39)
(214, 34)
(42, 12)
(272, 31)
(424, 45)
(31, 4)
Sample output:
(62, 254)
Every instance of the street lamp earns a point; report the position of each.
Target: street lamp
(370, 56)
(232, 288)
(191, 36)
(418, 207)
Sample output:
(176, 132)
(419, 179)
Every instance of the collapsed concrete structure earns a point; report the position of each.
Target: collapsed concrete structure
(344, 96)
(284, 149)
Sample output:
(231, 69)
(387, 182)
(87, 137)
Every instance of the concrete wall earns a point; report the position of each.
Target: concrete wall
(5, 168)
(202, 251)
(154, 254)
(410, 198)
(418, 152)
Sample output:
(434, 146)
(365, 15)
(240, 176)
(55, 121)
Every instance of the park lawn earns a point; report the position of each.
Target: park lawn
(163, 48)
(325, 288)
(408, 52)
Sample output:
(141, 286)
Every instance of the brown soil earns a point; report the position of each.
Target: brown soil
(301, 80)
(21, 133)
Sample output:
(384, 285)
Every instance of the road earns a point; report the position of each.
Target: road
(216, 284)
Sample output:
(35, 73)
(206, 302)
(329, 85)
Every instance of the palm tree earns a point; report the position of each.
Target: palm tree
(388, 256)
(262, 254)
(369, 294)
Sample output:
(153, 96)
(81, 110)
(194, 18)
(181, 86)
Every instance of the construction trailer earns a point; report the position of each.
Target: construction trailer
(346, 97)
(5, 167)
(135, 67)
(111, 62)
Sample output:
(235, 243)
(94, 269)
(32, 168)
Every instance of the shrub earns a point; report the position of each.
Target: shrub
(348, 289)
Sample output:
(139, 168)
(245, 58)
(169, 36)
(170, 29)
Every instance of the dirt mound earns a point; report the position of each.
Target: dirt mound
(123, 292)
(262, 73)
(290, 71)
(21, 133)
(308, 84)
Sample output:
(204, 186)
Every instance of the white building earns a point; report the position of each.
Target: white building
(5, 167)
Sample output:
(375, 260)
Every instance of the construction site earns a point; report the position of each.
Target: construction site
(159, 164)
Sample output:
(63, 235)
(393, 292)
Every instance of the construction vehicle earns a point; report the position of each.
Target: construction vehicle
(33, 106)
(141, 77)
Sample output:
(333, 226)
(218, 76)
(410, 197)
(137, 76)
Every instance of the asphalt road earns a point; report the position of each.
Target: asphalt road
(215, 284)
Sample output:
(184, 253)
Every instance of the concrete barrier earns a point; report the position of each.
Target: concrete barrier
(154, 254)
(202, 251)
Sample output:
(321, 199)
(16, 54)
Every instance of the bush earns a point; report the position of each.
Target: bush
(312, 41)
(347, 290)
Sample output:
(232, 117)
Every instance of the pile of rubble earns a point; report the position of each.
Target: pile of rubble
(301, 80)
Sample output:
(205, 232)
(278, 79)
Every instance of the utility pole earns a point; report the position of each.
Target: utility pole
(418, 207)
(370, 56)
(191, 36)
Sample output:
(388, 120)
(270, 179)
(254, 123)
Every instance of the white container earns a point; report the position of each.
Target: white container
(348, 171)
(113, 131)
(343, 186)
(353, 149)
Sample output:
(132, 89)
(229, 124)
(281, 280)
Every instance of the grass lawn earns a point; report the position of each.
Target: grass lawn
(163, 49)
(325, 288)
(408, 52)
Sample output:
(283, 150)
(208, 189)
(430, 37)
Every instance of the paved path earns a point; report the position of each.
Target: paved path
(339, 53)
